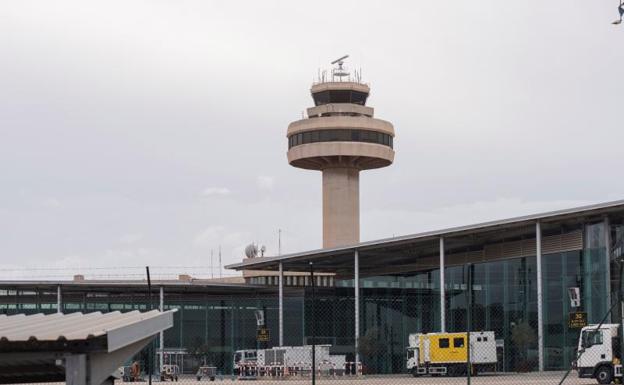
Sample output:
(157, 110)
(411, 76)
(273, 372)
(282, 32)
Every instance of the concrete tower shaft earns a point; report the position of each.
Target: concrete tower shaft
(341, 206)
(340, 137)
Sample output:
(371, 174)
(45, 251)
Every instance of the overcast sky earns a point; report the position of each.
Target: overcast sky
(150, 132)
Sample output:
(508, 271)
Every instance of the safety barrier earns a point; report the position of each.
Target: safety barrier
(275, 370)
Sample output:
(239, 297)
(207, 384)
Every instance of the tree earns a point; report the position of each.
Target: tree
(370, 346)
(523, 336)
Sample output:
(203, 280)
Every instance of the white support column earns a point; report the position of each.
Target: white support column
(607, 233)
(76, 371)
(540, 302)
(59, 300)
(281, 304)
(356, 287)
(442, 289)
(161, 307)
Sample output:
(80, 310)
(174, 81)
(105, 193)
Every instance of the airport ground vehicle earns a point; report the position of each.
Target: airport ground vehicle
(206, 371)
(447, 353)
(287, 361)
(169, 373)
(244, 364)
(130, 373)
(599, 353)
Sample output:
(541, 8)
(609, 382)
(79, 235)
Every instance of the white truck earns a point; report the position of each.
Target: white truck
(447, 353)
(599, 354)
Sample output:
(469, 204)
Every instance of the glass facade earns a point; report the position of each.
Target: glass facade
(212, 329)
(504, 297)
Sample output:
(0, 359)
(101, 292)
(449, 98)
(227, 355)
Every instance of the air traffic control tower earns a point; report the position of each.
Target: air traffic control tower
(340, 137)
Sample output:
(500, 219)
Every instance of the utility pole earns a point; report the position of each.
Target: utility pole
(211, 264)
(279, 241)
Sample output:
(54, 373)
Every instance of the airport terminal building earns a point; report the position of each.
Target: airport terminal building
(516, 273)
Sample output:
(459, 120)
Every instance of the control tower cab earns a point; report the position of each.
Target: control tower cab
(340, 138)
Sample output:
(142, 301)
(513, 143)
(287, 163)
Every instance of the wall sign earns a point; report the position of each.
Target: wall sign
(263, 334)
(577, 320)
(575, 296)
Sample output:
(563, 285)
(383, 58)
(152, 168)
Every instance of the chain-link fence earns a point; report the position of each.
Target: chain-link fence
(487, 332)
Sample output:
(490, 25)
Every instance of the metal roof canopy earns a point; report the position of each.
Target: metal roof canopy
(137, 286)
(76, 348)
(376, 256)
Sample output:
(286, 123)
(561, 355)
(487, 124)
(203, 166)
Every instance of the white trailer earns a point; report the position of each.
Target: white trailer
(298, 358)
(292, 355)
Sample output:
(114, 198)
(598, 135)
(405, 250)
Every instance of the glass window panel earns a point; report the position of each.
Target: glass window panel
(594, 236)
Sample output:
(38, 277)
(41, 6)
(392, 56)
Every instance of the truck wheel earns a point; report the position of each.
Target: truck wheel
(415, 372)
(604, 375)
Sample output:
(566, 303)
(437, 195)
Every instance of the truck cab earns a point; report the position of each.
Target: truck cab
(244, 362)
(598, 353)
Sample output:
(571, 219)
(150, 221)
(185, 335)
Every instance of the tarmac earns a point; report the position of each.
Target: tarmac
(550, 378)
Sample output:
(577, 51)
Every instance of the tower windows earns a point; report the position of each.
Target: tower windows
(340, 135)
(339, 96)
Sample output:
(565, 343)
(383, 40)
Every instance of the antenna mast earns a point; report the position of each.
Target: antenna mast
(220, 272)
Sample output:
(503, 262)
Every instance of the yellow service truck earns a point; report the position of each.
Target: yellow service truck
(446, 354)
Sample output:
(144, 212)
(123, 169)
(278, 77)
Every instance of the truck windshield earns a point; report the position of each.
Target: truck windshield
(591, 338)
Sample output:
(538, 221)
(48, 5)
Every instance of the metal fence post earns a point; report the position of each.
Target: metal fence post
(313, 326)
(150, 348)
(469, 323)
(356, 288)
(442, 289)
(162, 333)
(281, 304)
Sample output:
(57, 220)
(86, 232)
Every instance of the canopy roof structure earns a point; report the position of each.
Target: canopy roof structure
(413, 252)
(74, 347)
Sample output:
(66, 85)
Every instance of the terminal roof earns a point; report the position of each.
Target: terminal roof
(376, 255)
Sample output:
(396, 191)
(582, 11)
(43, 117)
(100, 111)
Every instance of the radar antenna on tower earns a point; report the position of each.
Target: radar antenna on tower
(340, 71)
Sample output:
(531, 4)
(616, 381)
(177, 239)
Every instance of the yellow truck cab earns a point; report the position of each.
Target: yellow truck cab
(447, 353)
